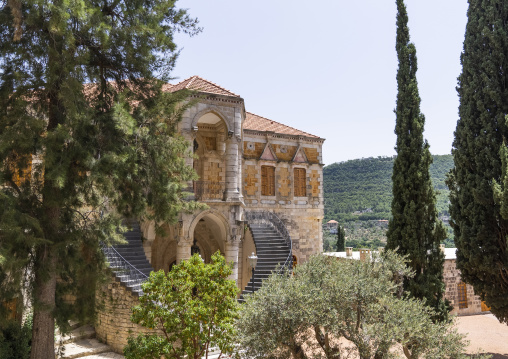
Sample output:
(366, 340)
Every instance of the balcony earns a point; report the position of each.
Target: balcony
(209, 191)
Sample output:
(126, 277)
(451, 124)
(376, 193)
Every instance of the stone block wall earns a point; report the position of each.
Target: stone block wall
(113, 324)
(452, 279)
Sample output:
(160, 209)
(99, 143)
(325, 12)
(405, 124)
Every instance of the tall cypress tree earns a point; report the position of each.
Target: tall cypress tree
(479, 227)
(341, 239)
(87, 136)
(414, 229)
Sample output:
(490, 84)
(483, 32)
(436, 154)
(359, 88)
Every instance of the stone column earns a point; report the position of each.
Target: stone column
(240, 265)
(190, 136)
(232, 193)
(232, 255)
(183, 250)
(148, 229)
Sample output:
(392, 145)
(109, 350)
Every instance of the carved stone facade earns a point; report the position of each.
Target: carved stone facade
(230, 147)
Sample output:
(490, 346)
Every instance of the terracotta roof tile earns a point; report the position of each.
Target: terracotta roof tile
(199, 84)
(257, 123)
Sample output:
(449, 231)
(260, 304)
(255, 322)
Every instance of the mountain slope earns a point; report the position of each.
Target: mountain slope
(364, 186)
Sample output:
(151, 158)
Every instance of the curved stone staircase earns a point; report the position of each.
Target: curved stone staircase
(128, 261)
(271, 238)
(272, 249)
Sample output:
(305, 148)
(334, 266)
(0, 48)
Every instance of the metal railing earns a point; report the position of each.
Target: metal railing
(122, 266)
(270, 218)
(209, 190)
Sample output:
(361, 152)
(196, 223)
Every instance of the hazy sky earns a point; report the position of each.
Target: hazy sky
(329, 67)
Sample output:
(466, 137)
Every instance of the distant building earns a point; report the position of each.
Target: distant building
(460, 294)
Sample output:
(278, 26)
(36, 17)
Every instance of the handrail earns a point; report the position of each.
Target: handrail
(265, 217)
(117, 261)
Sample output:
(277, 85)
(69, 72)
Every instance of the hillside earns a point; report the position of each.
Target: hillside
(362, 189)
(358, 194)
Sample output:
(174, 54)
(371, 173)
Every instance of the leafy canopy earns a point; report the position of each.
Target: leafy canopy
(87, 136)
(192, 309)
(478, 180)
(332, 308)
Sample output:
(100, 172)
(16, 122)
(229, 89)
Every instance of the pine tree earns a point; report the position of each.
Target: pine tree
(479, 226)
(341, 239)
(414, 229)
(87, 136)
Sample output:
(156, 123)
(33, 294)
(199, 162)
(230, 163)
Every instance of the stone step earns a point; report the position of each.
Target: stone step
(272, 251)
(107, 355)
(83, 348)
(82, 332)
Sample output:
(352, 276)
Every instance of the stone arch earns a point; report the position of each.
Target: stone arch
(210, 230)
(213, 213)
(214, 110)
(164, 248)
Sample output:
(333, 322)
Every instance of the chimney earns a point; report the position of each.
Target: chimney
(365, 254)
(349, 251)
(380, 249)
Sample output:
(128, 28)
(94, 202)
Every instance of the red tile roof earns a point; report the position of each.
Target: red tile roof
(199, 84)
(252, 122)
(257, 123)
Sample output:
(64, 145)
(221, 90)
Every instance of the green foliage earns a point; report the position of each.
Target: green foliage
(477, 213)
(78, 95)
(332, 308)
(356, 185)
(192, 309)
(15, 340)
(414, 229)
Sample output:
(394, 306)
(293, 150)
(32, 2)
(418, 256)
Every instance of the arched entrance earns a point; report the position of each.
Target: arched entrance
(209, 233)
(210, 147)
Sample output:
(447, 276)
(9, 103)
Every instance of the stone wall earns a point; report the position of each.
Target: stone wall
(452, 279)
(302, 215)
(113, 323)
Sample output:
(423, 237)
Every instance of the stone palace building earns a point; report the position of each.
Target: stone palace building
(263, 184)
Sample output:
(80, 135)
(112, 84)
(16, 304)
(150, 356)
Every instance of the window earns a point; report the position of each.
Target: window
(300, 182)
(268, 181)
(462, 294)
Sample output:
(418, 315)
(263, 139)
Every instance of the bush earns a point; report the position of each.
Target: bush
(191, 309)
(15, 340)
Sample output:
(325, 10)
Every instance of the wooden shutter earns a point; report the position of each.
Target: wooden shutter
(300, 182)
(462, 294)
(268, 181)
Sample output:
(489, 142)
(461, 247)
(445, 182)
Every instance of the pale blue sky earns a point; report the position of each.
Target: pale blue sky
(329, 67)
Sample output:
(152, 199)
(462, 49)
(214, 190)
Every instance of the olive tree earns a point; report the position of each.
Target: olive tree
(333, 307)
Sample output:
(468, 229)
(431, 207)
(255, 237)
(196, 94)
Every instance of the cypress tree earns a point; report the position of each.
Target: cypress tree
(414, 229)
(341, 239)
(476, 211)
(87, 136)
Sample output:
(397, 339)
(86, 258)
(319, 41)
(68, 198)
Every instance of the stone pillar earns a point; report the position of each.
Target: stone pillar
(183, 250)
(148, 229)
(232, 170)
(232, 255)
(239, 282)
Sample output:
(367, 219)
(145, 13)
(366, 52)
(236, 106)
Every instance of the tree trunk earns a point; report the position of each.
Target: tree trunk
(43, 342)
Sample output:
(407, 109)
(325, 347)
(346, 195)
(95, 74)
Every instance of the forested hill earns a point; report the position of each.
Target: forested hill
(362, 189)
